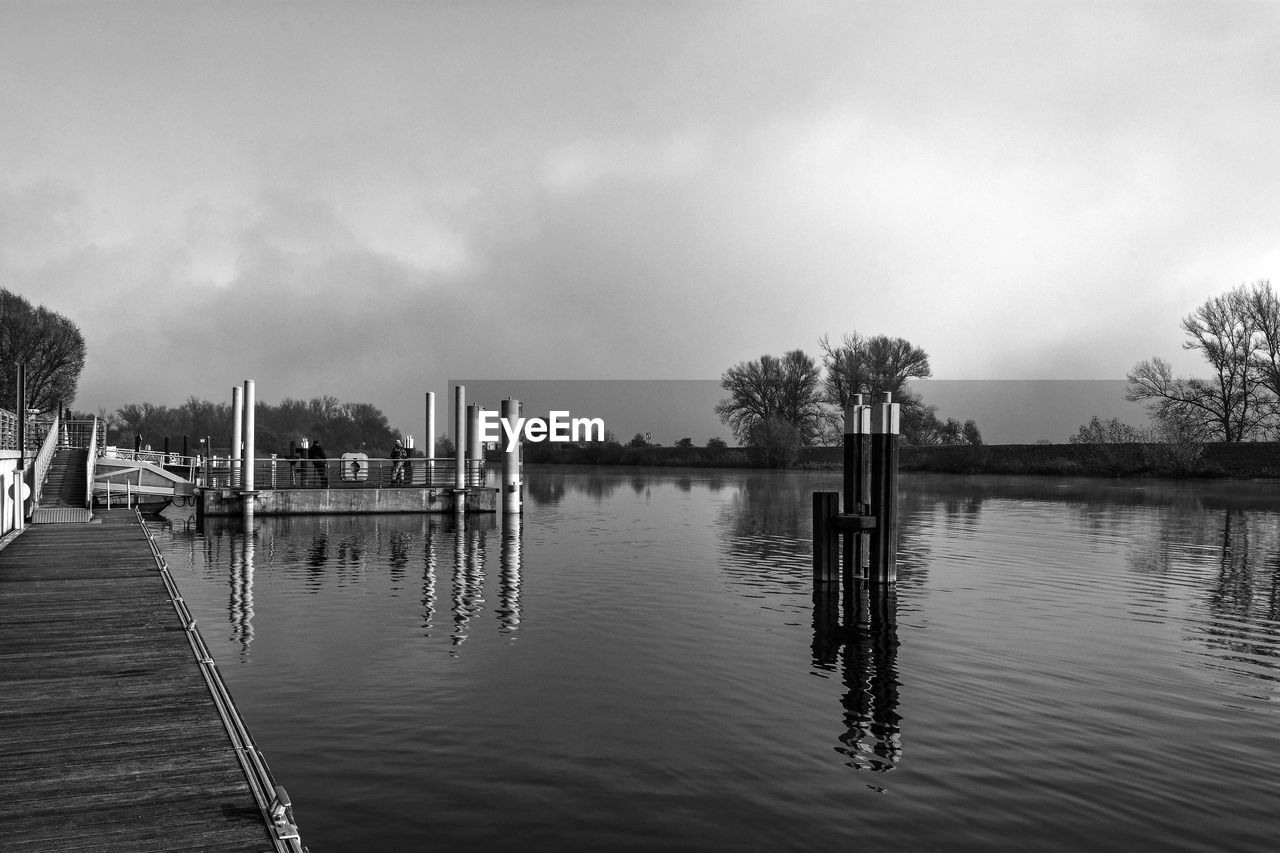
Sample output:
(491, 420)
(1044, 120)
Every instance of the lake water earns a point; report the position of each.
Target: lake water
(1062, 665)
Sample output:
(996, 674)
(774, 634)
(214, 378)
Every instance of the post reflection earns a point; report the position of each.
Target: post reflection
(509, 579)
(326, 555)
(864, 648)
(242, 592)
(429, 566)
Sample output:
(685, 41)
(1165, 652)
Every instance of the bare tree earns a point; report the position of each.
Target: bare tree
(1235, 403)
(870, 366)
(769, 388)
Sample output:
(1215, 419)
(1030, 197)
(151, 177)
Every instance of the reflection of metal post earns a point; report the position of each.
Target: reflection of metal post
(460, 615)
(459, 440)
(509, 585)
(429, 577)
(510, 500)
(237, 427)
(884, 489)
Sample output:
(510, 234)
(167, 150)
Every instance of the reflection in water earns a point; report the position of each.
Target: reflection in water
(509, 580)
(351, 551)
(241, 605)
(429, 563)
(468, 577)
(865, 647)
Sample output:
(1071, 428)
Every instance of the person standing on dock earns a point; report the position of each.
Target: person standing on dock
(318, 462)
(398, 454)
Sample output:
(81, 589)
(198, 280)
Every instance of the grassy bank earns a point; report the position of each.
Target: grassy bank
(1245, 460)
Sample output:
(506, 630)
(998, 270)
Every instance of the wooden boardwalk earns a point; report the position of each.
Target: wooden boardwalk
(109, 735)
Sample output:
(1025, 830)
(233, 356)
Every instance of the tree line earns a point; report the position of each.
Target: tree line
(340, 427)
(778, 404)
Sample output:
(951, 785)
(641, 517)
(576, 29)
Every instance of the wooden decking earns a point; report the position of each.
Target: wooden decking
(109, 736)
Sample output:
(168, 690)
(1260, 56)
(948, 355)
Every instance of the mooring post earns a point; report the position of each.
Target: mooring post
(459, 438)
(857, 485)
(826, 538)
(885, 429)
(237, 435)
(511, 500)
(429, 450)
(474, 457)
(250, 448)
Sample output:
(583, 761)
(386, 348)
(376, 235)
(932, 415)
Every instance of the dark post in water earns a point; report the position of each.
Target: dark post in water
(869, 522)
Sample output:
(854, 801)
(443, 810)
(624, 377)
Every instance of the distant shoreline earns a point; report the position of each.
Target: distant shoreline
(1246, 460)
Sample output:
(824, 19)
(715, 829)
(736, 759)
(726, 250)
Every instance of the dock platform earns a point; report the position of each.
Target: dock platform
(111, 737)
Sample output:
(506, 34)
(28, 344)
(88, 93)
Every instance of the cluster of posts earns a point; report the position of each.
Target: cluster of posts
(466, 431)
(466, 442)
(869, 522)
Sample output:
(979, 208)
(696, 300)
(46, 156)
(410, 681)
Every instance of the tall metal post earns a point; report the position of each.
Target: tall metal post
(20, 404)
(429, 448)
(473, 443)
(511, 500)
(459, 437)
(250, 443)
(237, 433)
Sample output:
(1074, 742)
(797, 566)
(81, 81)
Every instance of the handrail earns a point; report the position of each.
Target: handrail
(291, 472)
(91, 465)
(270, 796)
(40, 467)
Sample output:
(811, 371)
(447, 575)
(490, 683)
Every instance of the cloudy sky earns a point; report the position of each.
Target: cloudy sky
(366, 199)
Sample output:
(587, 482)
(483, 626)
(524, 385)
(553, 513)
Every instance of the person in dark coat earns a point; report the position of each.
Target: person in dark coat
(398, 454)
(318, 462)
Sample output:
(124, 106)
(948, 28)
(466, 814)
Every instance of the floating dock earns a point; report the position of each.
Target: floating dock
(115, 730)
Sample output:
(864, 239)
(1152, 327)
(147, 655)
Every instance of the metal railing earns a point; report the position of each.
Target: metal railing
(37, 428)
(294, 473)
(90, 468)
(40, 467)
(8, 430)
(78, 434)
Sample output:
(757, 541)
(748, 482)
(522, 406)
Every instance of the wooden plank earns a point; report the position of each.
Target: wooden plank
(109, 738)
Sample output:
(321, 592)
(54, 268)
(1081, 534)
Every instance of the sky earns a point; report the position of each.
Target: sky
(368, 199)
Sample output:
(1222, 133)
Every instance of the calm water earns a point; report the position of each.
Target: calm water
(1063, 665)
